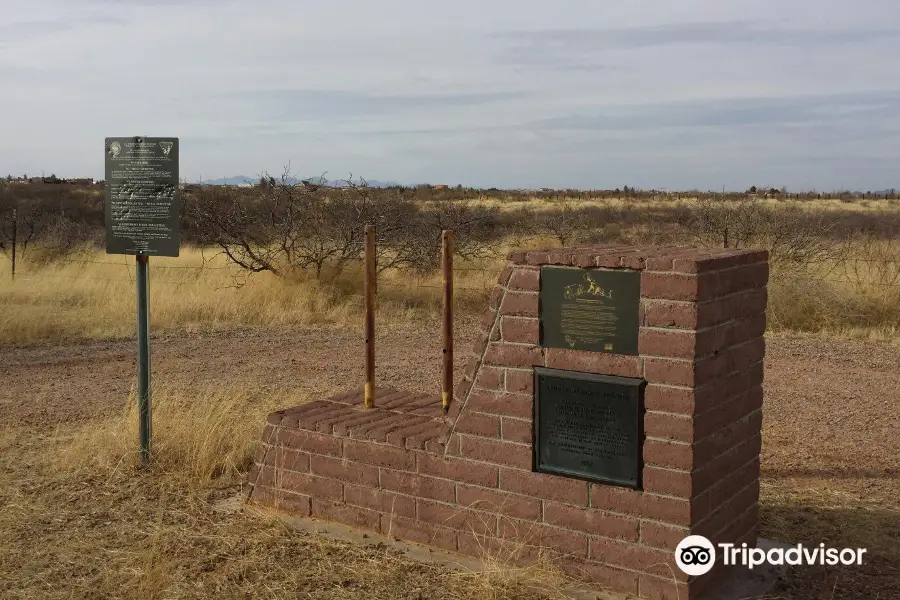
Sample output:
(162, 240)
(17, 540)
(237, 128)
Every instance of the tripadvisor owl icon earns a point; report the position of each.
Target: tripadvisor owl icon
(695, 555)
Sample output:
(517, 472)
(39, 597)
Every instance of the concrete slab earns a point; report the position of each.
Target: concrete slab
(741, 584)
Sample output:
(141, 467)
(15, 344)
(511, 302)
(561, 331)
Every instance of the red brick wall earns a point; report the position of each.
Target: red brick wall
(468, 486)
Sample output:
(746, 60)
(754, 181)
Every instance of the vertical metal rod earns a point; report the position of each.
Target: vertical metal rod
(370, 316)
(142, 277)
(15, 227)
(447, 279)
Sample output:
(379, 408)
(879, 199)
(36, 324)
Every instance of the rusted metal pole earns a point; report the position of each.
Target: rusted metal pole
(447, 279)
(370, 316)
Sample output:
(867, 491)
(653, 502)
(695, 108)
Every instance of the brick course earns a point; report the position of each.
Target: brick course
(464, 481)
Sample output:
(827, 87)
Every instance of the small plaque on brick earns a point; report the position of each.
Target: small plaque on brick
(590, 309)
(588, 426)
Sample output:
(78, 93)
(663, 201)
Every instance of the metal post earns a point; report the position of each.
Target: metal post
(370, 316)
(15, 227)
(447, 280)
(142, 276)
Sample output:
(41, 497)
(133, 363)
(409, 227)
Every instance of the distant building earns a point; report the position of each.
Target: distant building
(440, 186)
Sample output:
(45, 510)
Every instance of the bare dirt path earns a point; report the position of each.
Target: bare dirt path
(51, 384)
(831, 466)
(831, 408)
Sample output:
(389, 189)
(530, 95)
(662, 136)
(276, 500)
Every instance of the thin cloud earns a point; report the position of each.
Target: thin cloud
(735, 112)
(725, 33)
(18, 31)
(585, 48)
(298, 104)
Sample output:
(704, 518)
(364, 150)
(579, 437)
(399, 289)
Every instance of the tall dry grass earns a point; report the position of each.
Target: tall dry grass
(856, 296)
(666, 201)
(91, 295)
(201, 438)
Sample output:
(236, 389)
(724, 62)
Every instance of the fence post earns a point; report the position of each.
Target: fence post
(15, 226)
(369, 394)
(447, 280)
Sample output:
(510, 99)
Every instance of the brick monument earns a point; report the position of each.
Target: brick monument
(613, 407)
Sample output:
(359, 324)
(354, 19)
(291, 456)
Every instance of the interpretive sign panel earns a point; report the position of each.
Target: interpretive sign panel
(590, 309)
(143, 201)
(588, 426)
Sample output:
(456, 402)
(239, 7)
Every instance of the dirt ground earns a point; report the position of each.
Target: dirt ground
(831, 446)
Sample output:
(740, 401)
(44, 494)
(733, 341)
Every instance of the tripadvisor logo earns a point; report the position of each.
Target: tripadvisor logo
(696, 555)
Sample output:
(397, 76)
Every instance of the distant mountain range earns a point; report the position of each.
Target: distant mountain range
(317, 180)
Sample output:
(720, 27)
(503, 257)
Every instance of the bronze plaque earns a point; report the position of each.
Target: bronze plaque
(590, 309)
(588, 426)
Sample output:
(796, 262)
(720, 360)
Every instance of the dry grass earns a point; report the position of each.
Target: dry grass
(858, 297)
(92, 295)
(665, 201)
(202, 438)
(81, 519)
(78, 519)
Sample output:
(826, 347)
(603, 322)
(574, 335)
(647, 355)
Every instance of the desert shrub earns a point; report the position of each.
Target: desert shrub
(48, 222)
(62, 239)
(792, 235)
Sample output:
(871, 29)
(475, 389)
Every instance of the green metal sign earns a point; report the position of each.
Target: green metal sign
(143, 201)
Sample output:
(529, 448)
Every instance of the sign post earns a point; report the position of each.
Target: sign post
(142, 275)
(142, 218)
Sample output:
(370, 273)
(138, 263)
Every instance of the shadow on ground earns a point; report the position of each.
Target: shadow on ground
(866, 525)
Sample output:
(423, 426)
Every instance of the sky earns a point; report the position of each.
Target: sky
(693, 94)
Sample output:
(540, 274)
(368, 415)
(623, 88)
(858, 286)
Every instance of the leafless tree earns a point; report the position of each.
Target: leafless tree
(246, 228)
(282, 225)
(416, 244)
